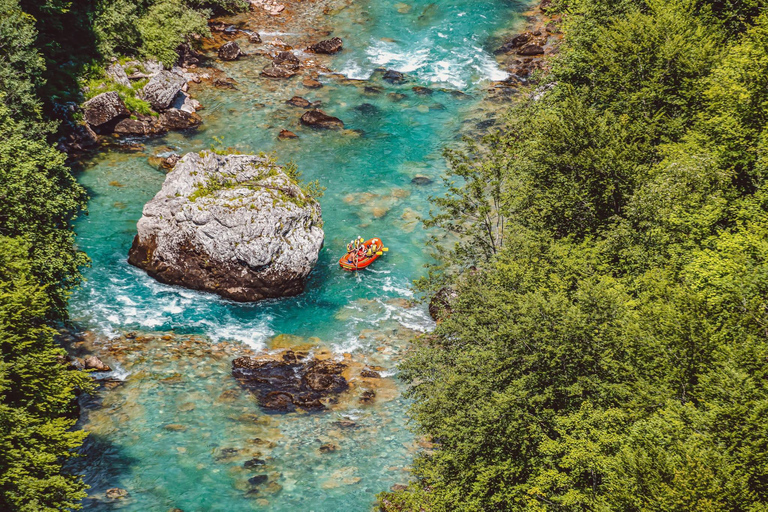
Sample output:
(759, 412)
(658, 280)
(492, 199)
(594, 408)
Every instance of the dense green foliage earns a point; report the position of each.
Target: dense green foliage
(610, 352)
(36, 394)
(76, 37)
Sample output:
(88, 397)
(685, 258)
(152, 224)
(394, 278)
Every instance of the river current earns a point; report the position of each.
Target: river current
(175, 429)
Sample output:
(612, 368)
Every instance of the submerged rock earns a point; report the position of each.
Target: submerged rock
(394, 77)
(319, 119)
(234, 225)
(116, 493)
(286, 134)
(420, 179)
(329, 46)
(298, 101)
(282, 386)
(311, 83)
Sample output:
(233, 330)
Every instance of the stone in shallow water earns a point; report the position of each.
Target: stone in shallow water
(319, 119)
(230, 51)
(394, 77)
(421, 180)
(253, 463)
(116, 493)
(328, 46)
(283, 386)
(258, 479)
(298, 101)
(311, 83)
(286, 134)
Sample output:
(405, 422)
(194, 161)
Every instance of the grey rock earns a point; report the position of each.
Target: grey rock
(103, 109)
(234, 225)
(118, 75)
(153, 67)
(162, 89)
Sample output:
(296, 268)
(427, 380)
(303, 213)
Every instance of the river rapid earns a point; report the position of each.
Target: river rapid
(172, 427)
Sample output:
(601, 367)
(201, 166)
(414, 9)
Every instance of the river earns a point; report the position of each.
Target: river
(174, 428)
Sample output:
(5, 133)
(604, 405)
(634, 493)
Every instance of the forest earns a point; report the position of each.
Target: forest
(604, 313)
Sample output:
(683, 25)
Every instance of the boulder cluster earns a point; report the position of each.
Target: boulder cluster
(165, 91)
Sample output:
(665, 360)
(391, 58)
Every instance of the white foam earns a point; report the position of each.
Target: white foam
(353, 70)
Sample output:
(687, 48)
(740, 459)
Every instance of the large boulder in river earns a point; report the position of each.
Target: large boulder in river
(329, 46)
(162, 89)
(234, 225)
(104, 109)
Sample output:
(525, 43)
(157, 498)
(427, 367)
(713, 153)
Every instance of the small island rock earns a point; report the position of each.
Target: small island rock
(234, 225)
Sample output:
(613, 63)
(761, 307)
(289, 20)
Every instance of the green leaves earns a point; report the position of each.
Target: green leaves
(610, 352)
(40, 198)
(36, 394)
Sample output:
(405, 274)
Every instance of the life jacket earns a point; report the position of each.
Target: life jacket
(350, 247)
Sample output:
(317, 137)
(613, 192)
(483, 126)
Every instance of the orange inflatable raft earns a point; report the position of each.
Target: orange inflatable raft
(348, 262)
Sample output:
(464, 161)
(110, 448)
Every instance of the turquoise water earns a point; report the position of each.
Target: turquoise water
(367, 170)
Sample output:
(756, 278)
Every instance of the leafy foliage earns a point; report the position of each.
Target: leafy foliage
(40, 198)
(36, 394)
(611, 353)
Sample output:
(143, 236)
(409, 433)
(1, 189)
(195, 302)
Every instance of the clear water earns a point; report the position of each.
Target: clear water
(367, 170)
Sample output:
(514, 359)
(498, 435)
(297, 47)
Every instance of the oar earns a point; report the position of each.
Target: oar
(382, 251)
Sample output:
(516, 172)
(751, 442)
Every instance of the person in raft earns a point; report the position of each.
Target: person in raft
(356, 250)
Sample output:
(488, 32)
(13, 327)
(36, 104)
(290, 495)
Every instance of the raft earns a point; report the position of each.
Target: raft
(348, 263)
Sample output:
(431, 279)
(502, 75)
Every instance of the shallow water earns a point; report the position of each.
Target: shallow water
(367, 170)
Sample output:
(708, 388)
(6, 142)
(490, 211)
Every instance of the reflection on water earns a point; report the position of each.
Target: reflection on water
(179, 430)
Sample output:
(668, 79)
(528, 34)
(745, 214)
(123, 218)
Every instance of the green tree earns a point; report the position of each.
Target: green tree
(36, 395)
(40, 199)
(21, 66)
